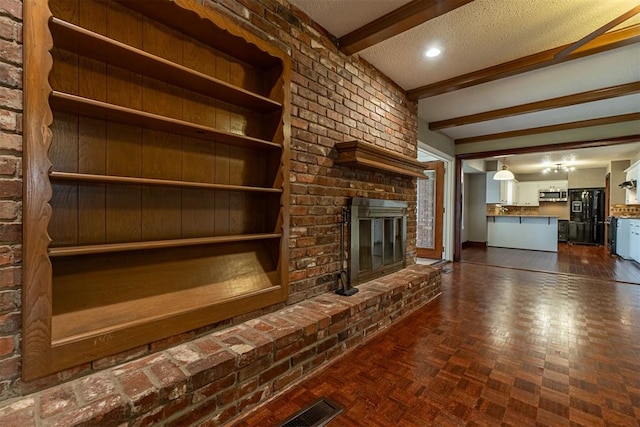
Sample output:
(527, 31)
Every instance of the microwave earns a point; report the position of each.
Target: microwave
(554, 195)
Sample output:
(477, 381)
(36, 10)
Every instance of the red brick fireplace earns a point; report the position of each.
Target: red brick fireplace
(218, 372)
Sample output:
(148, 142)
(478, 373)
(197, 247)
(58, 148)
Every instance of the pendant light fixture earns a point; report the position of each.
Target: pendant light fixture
(504, 174)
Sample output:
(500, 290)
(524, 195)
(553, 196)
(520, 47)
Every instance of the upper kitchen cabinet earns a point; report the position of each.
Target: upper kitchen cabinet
(553, 185)
(528, 193)
(503, 192)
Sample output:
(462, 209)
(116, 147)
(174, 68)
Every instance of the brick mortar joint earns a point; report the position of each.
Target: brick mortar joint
(387, 319)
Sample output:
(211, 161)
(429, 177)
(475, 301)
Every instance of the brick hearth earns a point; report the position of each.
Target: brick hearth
(214, 378)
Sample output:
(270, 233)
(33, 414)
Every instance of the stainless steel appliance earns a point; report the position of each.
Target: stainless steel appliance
(586, 220)
(552, 195)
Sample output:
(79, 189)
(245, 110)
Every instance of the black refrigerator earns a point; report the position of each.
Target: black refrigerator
(586, 220)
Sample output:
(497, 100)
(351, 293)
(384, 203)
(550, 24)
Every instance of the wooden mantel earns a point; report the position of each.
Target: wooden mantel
(360, 154)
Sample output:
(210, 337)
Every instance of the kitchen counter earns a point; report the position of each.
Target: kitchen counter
(531, 232)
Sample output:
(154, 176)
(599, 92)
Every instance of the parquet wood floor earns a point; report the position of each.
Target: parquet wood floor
(583, 260)
(500, 347)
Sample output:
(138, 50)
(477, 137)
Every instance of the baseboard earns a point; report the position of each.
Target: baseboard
(469, 244)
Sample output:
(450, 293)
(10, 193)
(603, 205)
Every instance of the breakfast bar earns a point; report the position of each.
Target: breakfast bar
(538, 233)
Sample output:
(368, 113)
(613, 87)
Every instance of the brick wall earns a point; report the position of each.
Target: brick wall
(335, 98)
(10, 192)
(214, 378)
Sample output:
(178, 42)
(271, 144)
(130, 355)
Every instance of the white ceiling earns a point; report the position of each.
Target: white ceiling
(486, 33)
(340, 17)
(597, 157)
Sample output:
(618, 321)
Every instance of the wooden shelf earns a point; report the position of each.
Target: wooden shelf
(156, 244)
(110, 179)
(87, 43)
(102, 110)
(155, 310)
(212, 30)
(126, 268)
(360, 154)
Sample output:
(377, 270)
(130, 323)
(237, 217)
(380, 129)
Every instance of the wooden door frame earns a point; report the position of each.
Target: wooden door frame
(607, 204)
(457, 228)
(436, 253)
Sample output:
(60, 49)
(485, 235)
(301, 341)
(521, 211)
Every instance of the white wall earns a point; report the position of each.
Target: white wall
(617, 195)
(587, 178)
(541, 176)
(464, 233)
(434, 139)
(477, 208)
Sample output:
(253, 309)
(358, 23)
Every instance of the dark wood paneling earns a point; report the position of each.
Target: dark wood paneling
(63, 227)
(92, 147)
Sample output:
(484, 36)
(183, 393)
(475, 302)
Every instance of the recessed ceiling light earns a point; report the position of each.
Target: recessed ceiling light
(433, 52)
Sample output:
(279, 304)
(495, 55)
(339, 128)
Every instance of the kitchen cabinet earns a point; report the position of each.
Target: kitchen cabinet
(551, 185)
(623, 234)
(634, 239)
(501, 192)
(528, 193)
(538, 233)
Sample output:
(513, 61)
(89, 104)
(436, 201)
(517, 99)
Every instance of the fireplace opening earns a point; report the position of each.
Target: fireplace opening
(378, 238)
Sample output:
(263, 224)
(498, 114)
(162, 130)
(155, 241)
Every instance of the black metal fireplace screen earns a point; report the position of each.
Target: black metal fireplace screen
(378, 238)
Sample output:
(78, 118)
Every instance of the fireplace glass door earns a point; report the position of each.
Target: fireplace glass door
(378, 233)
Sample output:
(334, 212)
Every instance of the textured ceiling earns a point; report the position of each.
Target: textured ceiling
(340, 17)
(611, 68)
(485, 33)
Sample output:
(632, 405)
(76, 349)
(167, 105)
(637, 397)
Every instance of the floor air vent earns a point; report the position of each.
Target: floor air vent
(316, 415)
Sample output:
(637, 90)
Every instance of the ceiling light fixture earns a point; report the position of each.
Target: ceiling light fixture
(433, 52)
(559, 168)
(504, 175)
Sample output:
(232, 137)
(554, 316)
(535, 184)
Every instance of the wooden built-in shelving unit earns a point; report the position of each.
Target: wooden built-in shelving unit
(156, 176)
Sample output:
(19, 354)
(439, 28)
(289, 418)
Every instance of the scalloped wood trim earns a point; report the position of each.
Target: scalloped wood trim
(36, 283)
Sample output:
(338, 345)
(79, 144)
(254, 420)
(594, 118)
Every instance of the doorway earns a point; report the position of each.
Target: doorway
(430, 211)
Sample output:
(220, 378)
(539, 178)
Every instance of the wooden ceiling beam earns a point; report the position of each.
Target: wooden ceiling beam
(607, 41)
(395, 22)
(533, 107)
(575, 145)
(552, 128)
(600, 31)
